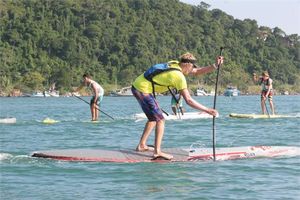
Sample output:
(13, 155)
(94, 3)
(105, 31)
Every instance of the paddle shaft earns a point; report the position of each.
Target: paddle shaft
(89, 104)
(215, 102)
(267, 109)
(179, 111)
(165, 112)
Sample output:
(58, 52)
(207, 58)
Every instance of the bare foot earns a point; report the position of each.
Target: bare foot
(144, 148)
(162, 156)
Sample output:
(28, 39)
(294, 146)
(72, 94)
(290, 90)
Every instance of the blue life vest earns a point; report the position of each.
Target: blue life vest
(157, 69)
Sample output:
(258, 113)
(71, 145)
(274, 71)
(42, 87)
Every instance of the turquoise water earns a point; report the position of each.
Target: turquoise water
(26, 178)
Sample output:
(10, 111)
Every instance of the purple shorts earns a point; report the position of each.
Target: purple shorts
(149, 105)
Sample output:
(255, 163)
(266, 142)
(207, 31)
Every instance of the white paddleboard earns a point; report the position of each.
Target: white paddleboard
(180, 154)
(257, 116)
(185, 116)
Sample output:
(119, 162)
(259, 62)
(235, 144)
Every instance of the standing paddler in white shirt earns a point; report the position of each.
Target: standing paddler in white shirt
(98, 93)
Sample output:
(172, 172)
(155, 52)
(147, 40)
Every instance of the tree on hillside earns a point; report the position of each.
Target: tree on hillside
(58, 41)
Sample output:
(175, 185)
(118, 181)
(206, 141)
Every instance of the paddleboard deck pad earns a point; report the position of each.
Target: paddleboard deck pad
(257, 116)
(186, 115)
(180, 154)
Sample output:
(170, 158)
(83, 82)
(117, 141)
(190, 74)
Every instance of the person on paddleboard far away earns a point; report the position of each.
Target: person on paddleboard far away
(266, 90)
(161, 78)
(177, 104)
(98, 93)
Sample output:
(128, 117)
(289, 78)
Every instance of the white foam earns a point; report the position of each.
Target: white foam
(4, 156)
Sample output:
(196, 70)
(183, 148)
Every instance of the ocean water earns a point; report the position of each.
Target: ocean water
(26, 178)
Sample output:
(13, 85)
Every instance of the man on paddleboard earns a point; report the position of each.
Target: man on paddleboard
(177, 104)
(266, 90)
(98, 93)
(161, 78)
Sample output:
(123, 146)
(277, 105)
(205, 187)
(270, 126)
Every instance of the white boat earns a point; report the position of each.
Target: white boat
(180, 154)
(53, 93)
(40, 94)
(212, 93)
(185, 116)
(8, 120)
(231, 91)
(46, 94)
(201, 92)
(286, 93)
(123, 92)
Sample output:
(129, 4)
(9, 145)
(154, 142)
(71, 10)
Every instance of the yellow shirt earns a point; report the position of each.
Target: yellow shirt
(173, 79)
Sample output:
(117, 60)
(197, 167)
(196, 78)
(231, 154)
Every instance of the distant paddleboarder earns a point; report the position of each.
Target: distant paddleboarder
(161, 78)
(266, 90)
(98, 93)
(177, 104)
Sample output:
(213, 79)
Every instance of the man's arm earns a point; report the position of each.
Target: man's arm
(194, 104)
(78, 89)
(204, 70)
(207, 69)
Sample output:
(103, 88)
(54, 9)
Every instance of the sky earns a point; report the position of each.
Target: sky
(284, 14)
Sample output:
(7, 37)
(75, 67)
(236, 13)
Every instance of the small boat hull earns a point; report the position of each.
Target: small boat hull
(9, 120)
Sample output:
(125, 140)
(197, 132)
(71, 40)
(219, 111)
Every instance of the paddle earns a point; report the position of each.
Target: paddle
(164, 111)
(89, 104)
(179, 111)
(267, 109)
(215, 101)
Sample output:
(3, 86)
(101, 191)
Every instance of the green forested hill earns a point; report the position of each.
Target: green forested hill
(56, 41)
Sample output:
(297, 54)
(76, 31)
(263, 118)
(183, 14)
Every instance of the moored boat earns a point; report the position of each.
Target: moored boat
(201, 92)
(123, 92)
(8, 120)
(231, 92)
(53, 93)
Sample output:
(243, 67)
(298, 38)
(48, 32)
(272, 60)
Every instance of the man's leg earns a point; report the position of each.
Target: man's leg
(174, 110)
(272, 106)
(96, 111)
(92, 111)
(159, 133)
(147, 131)
(92, 106)
(263, 105)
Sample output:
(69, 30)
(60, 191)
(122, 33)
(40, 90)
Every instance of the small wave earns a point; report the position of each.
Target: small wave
(10, 158)
(297, 115)
(5, 156)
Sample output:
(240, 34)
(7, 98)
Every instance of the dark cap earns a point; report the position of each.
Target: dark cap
(188, 58)
(189, 61)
